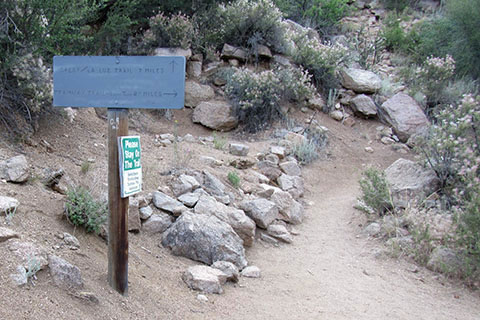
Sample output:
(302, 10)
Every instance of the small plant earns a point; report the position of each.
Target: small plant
(375, 192)
(9, 214)
(234, 179)
(82, 209)
(306, 152)
(219, 142)
(85, 167)
(33, 266)
(181, 157)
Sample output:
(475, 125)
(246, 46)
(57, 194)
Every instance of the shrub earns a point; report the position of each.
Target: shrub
(244, 23)
(323, 15)
(455, 32)
(394, 37)
(305, 152)
(234, 179)
(82, 209)
(256, 96)
(399, 5)
(453, 152)
(375, 191)
(219, 142)
(320, 59)
(174, 31)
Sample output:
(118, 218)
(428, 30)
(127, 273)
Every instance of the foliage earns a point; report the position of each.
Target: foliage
(320, 59)
(305, 152)
(33, 266)
(455, 32)
(399, 5)
(394, 37)
(174, 31)
(219, 142)
(433, 77)
(323, 15)
(453, 152)
(234, 179)
(375, 191)
(369, 49)
(256, 96)
(244, 23)
(82, 209)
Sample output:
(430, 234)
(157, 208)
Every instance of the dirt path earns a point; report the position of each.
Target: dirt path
(330, 273)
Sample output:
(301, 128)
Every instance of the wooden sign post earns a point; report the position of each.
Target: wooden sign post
(118, 83)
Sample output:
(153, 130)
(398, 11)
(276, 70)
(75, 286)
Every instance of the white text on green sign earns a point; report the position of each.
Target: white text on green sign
(130, 165)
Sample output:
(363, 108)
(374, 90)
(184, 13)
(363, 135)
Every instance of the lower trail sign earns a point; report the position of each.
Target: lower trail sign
(119, 83)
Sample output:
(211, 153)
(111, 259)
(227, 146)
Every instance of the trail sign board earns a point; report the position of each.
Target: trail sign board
(129, 165)
(119, 81)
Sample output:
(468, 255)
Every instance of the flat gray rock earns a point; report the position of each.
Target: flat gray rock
(167, 203)
(216, 115)
(15, 169)
(196, 93)
(157, 223)
(205, 279)
(364, 105)
(360, 81)
(261, 210)
(228, 268)
(251, 272)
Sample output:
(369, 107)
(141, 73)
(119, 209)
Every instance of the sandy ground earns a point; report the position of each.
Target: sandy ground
(329, 272)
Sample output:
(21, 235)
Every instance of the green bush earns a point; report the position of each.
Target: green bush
(82, 209)
(323, 15)
(456, 32)
(306, 152)
(234, 179)
(394, 37)
(399, 5)
(256, 96)
(320, 59)
(453, 152)
(375, 191)
(243, 23)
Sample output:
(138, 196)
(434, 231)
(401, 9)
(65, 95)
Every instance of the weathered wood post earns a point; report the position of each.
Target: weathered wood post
(117, 206)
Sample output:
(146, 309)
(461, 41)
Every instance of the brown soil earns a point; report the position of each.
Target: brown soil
(329, 272)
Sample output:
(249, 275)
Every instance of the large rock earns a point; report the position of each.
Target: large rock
(205, 238)
(15, 169)
(292, 184)
(183, 184)
(212, 184)
(194, 69)
(187, 53)
(231, 52)
(7, 204)
(262, 211)
(290, 210)
(409, 180)
(404, 114)
(364, 105)
(29, 254)
(360, 81)
(157, 223)
(216, 115)
(195, 93)
(280, 232)
(166, 203)
(64, 274)
(291, 168)
(444, 259)
(205, 279)
(236, 218)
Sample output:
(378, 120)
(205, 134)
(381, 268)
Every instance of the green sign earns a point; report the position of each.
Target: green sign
(130, 165)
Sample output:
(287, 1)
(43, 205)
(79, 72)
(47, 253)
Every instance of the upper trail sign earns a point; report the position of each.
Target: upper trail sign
(119, 81)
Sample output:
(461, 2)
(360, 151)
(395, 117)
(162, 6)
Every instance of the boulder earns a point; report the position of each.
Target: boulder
(205, 279)
(216, 115)
(15, 169)
(280, 152)
(64, 274)
(317, 103)
(205, 238)
(360, 81)
(145, 212)
(212, 185)
(190, 199)
(264, 52)
(228, 268)
(238, 149)
(261, 210)
(291, 168)
(269, 170)
(157, 223)
(194, 69)
(364, 105)
(290, 210)
(444, 259)
(183, 184)
(7, 204)
(166, 203)
(293, 184)
(231, 52)
(409, 180)
(404, 114)
(187, 53)
(196, 93)
(243, 225)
